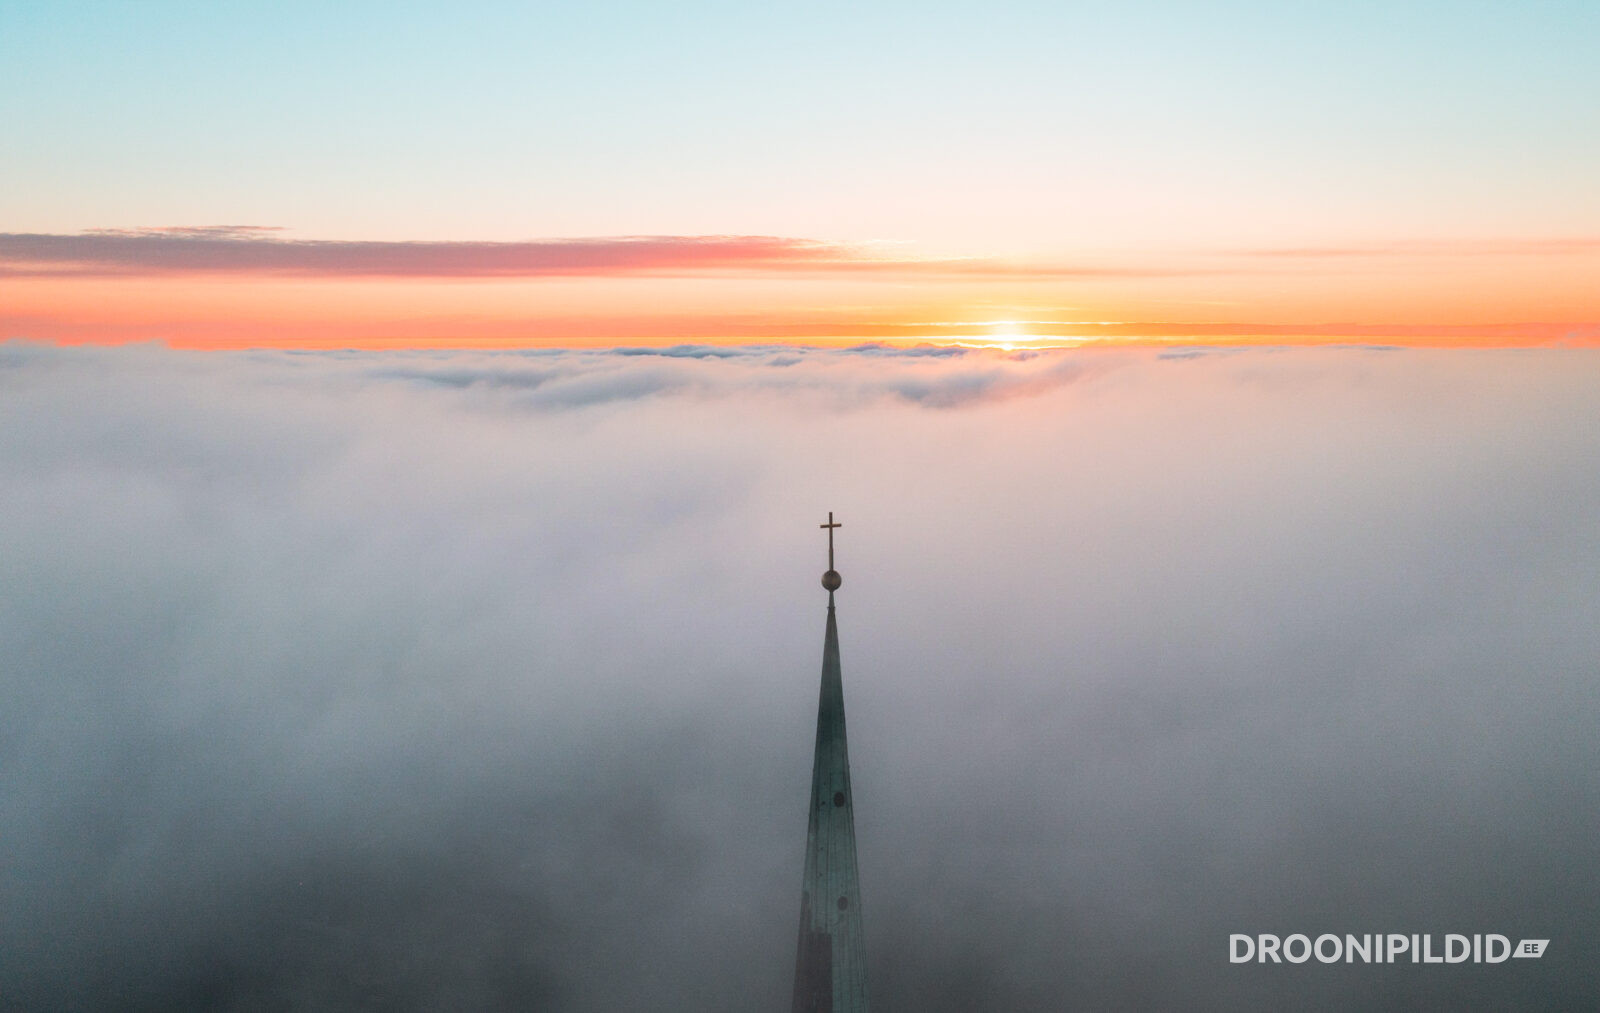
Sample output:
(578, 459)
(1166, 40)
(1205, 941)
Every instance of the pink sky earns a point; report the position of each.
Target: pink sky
(232, 286)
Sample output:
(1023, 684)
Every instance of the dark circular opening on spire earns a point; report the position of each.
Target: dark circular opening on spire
(844, 902)
(838, 798)
(831, 580)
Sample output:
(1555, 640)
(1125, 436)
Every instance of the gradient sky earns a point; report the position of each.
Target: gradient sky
(1290, 172)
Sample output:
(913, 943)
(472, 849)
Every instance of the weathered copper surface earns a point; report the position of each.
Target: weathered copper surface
(830, 962)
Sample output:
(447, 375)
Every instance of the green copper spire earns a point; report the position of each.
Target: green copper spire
(830, 969)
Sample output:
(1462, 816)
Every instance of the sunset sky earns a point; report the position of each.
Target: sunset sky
(379, 174)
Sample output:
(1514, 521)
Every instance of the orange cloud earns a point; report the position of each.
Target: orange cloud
(246, 249)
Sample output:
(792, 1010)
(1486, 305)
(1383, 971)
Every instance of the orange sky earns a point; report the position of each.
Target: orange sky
(1490, 293)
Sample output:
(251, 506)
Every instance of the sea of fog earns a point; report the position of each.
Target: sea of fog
(487, 680)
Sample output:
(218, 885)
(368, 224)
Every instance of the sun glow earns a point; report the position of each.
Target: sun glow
(1008, 334)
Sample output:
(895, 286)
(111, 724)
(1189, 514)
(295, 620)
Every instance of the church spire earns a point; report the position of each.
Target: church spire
(830, 971)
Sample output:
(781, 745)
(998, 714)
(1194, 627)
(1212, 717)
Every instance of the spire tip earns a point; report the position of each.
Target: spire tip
(831, 580)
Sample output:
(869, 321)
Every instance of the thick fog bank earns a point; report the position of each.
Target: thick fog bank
(478, 681)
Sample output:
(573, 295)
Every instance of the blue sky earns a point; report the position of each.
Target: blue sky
(981, 127)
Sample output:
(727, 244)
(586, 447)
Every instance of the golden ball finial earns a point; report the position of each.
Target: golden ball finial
(831, 580)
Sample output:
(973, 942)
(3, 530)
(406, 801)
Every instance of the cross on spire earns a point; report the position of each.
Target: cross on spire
(830, 526)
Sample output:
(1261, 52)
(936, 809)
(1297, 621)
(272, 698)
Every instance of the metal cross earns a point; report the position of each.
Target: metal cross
(830, 526)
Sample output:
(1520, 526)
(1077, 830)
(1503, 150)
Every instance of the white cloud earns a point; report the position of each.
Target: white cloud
(487, 679)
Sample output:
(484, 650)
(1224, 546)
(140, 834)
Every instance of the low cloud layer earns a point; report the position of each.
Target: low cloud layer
(434, 680)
